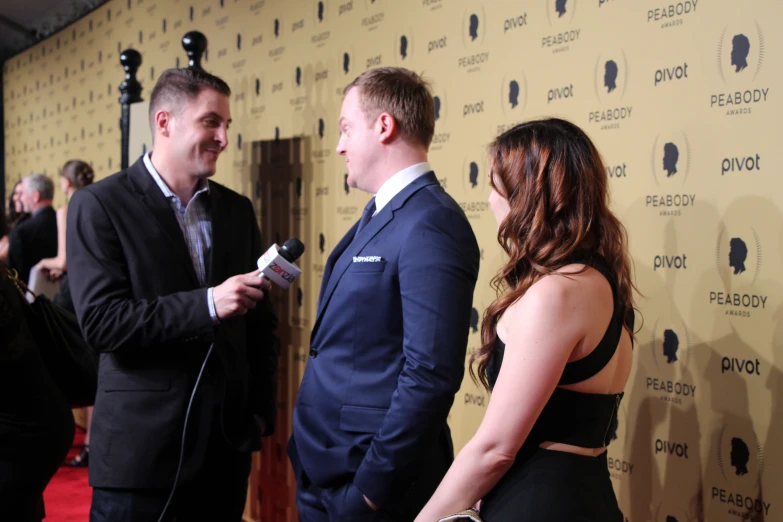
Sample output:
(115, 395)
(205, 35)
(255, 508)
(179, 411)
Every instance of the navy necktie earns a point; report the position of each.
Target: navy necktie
(369, 210)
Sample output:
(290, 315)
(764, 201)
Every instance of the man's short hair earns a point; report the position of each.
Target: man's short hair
(403, 94)
(175, 87)
(42, 184)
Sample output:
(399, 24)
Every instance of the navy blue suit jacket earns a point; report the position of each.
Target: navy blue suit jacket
(387, 356)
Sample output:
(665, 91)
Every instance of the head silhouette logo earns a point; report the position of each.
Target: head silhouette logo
(671, 343)
(671, 154)
(436, 100)
(164, 26)
(298, 187)
(474, 320)
(239, 42)
(473, 174)
(192, 12)
(299, 297)
(346, 187)
(741, 463)
(670, 518)
(298, 76)
(513, 93)
(738, 254)
(277, 27)
(403, 46)
(321, 242)
(277, 133)
(740, 455)
(560, 7)
(258, 86)
(741, 50)
(671, 158)
(346, 63)
(320, 11)
(321, 128)
(239, 141)
(742, 259)
(610, 75)
(473, 28)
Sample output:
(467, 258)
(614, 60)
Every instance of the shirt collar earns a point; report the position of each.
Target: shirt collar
(399, 181)
(203, 183)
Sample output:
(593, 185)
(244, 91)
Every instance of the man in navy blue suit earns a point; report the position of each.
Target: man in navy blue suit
(370, 439)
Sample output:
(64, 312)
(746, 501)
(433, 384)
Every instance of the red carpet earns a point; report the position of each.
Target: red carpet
(67, 497)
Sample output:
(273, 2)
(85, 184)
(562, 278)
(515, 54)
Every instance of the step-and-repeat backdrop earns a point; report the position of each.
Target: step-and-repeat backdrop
(682, 98)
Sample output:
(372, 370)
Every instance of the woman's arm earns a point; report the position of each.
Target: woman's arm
(57, 265)
(540, 337)
(4, 248)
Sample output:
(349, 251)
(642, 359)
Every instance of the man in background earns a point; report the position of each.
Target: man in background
(35, 238)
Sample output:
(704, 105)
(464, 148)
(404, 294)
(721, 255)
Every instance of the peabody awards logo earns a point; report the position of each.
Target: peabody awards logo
(560, 14)
(441, 136)
(616, 460)
(670, 350)
(740, 459)
(474, 31)
(277, 31)
(610, 84)
(673, 14)
(738, 260)
(513, 99)
(373, 19)
(320, 17)
(671, 164)
(740, 58)
(475, 185)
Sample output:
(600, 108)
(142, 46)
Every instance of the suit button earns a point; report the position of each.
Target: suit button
(313, 354)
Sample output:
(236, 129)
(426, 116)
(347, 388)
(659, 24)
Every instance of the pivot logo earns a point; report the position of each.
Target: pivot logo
(513, 99)
(671, 448)
(732, 364)
(740, 58)
(440, 43)
(671, 349)
(610, 82)
(734, 164)
(475, 400)
(472, 108)
(740, 459)
(560, 14)
(671, 164)
(673, 14)
(664, 262)
(669, 74)
(345, 8)
(474, 183)
(738, 259)
(560, 93)
(473, 33)
(515, 22)
(432, 4)
(616, 171)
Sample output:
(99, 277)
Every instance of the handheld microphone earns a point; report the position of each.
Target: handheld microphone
(277, 263)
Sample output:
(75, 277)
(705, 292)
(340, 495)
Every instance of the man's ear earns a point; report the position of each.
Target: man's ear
(387, 127)
(163, 121)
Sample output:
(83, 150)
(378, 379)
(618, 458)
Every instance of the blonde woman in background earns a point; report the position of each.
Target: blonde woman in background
(75, 175)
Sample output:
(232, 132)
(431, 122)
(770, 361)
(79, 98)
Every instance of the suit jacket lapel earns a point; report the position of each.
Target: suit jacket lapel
(340, 260)
(152, 197)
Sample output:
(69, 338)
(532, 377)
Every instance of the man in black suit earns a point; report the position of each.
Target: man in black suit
(35, 238)
(153, 256)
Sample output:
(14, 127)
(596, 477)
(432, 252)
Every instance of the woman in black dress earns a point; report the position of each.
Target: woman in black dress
(557, 341)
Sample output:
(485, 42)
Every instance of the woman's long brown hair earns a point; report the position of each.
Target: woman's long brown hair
(556, 186)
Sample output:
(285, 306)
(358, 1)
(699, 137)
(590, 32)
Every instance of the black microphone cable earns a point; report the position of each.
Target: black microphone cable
(184, 432)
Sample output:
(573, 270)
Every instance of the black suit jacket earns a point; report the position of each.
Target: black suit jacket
(32, 240)
(140, 305)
